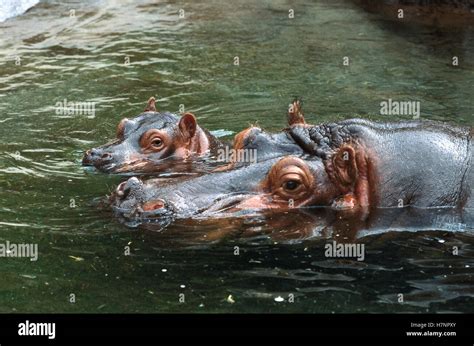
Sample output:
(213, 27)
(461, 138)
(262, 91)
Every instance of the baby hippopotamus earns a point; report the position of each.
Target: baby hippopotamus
(353, 165)
(151, 141)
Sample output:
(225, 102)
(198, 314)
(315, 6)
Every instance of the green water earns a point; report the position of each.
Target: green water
(47, 198)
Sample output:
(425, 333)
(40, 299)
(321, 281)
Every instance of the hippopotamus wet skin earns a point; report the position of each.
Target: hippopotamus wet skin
(354, 164)
(151, 142)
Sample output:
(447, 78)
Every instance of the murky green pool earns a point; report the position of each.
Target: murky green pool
(119, 53)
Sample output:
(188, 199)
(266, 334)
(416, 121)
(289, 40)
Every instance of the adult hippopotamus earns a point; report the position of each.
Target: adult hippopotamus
(151, 141)
(354, 165)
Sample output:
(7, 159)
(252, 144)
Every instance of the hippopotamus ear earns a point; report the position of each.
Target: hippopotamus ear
(345, 166)
(150, 106)
(188, 125)
(295, 114)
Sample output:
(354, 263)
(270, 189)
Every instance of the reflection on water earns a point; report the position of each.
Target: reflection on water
(12, 8)
(119, 53)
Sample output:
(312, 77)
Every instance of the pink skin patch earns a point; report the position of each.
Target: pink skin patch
(153, 205)
(346, 202)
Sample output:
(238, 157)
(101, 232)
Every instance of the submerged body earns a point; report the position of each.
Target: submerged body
(354, 165)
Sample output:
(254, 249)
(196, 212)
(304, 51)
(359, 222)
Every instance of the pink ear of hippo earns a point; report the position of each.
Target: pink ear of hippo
(188, 125)
(348, 169)
(151, 106)
(345, 166)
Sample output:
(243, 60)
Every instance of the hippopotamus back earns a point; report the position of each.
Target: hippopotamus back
(419, 163)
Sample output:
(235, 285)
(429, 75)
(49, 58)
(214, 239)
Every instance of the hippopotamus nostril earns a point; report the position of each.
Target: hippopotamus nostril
(153, 205)
(133, 182)
(94, 152)
(91, 156)
(132, 185)
(120, 189)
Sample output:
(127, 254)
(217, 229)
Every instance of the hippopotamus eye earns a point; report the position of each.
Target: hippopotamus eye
(291, 185)
(289, 178)
(156, 143)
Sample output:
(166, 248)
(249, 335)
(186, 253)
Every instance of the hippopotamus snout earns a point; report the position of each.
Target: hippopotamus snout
(277, 184)
(130, 199)
(97, 157)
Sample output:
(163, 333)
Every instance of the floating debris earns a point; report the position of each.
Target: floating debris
(77, 259)
(28, 276)
(230, 299)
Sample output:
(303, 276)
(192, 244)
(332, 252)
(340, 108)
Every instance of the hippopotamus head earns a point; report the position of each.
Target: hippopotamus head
(277, 184)
(254, 144)
(284, 177)
(149, 142)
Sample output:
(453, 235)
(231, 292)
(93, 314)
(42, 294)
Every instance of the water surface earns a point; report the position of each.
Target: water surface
(79, 51)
